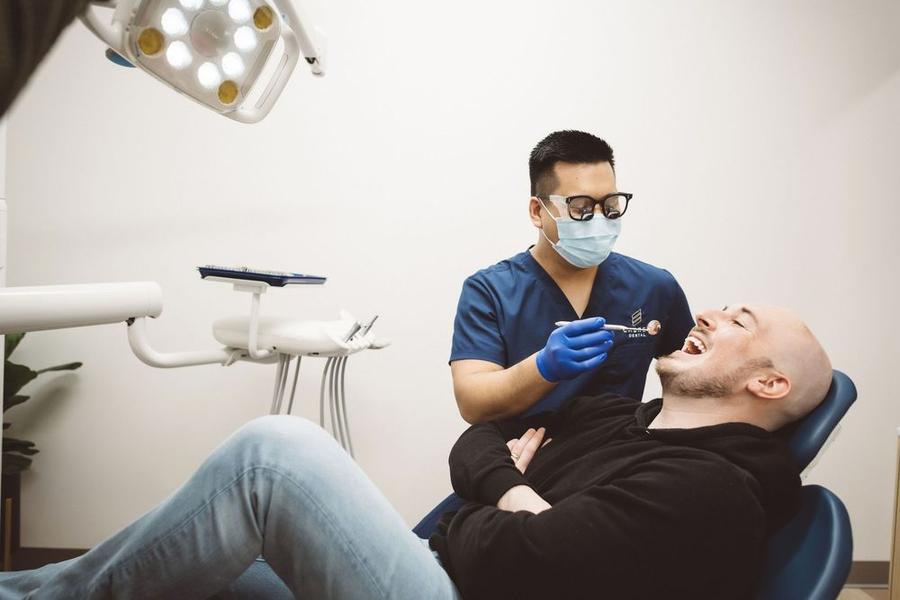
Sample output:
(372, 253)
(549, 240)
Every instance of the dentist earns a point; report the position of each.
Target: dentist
(508, 358)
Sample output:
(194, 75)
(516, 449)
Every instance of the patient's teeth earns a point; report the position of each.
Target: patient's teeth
(693, 345)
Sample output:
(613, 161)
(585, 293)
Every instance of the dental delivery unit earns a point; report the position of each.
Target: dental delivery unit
(253, 338)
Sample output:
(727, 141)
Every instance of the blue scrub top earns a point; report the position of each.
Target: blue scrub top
(507, 311)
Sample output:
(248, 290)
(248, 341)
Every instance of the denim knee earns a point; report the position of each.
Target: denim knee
(272, 437)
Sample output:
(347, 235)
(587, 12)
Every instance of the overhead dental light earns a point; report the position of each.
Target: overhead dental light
(213, 51)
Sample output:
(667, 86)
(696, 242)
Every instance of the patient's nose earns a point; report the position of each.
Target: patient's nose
(705, 321)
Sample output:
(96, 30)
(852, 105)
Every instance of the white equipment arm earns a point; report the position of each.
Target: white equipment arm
(38, 308)
(140, 345)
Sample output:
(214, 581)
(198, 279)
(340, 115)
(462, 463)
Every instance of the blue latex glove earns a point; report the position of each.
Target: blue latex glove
(574, 348)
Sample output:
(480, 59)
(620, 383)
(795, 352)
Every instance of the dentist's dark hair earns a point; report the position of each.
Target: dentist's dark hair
(564, 146)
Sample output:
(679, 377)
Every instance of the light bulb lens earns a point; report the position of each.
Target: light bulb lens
(191, 4)
(244, 39)
(208, 75)
(239, 10)
(179, 55)
(173, 22)
(232, 65)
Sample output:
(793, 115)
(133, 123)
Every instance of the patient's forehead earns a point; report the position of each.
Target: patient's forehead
(777, 321)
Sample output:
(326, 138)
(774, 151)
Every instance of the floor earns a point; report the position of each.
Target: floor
(863, 594)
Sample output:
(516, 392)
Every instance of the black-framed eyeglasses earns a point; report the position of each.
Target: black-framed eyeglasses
(582, 208)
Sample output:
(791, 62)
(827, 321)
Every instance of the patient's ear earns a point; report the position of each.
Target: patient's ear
(770, 386)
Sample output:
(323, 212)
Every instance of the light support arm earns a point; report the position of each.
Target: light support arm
(311, 46)
(140, 345)
(39, 308)
(225, 356)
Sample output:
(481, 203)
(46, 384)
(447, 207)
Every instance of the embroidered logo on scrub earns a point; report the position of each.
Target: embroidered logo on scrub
(636, 318)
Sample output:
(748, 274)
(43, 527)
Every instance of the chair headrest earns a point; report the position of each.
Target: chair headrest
(806, 437)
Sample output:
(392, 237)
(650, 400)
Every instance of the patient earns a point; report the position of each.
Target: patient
(607, 498)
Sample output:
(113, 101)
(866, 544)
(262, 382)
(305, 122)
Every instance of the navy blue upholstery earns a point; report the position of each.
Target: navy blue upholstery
(427, 526)
(806, 437)
(810, 557)
(807, 559)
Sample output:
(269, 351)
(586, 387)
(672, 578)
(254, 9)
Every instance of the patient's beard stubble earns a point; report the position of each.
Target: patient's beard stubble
(690, 384)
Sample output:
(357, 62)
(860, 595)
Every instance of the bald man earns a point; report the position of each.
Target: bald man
(606, 498)
(761, 366)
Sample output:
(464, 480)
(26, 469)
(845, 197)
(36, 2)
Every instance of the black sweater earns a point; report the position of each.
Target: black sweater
(636, 512)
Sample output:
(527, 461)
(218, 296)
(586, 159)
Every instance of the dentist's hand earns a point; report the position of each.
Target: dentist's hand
(574, 348)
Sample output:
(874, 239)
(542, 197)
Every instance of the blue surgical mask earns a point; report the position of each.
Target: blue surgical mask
(585, 244)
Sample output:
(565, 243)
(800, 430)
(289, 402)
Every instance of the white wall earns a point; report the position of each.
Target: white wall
(759, 138)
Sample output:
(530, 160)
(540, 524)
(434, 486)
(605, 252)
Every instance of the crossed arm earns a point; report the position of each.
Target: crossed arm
(523, 497)
(488, 462)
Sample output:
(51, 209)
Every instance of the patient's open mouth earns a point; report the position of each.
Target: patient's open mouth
(693, 345)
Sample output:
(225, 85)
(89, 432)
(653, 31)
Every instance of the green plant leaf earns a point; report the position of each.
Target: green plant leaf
(14, 463)
(12, 340)
(67, 367)
(16, 445)
(15, 377)
(10, 440)
(14, 401)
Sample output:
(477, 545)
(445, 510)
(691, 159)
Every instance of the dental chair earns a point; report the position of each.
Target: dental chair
(808, 558)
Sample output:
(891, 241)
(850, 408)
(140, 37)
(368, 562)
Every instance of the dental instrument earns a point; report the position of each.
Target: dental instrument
(652, 328)
(353, 331)
(368, 325)
(221, 54)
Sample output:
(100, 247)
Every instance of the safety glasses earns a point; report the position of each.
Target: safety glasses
(583, 208)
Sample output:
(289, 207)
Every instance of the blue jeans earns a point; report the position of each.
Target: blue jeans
(279, 487)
